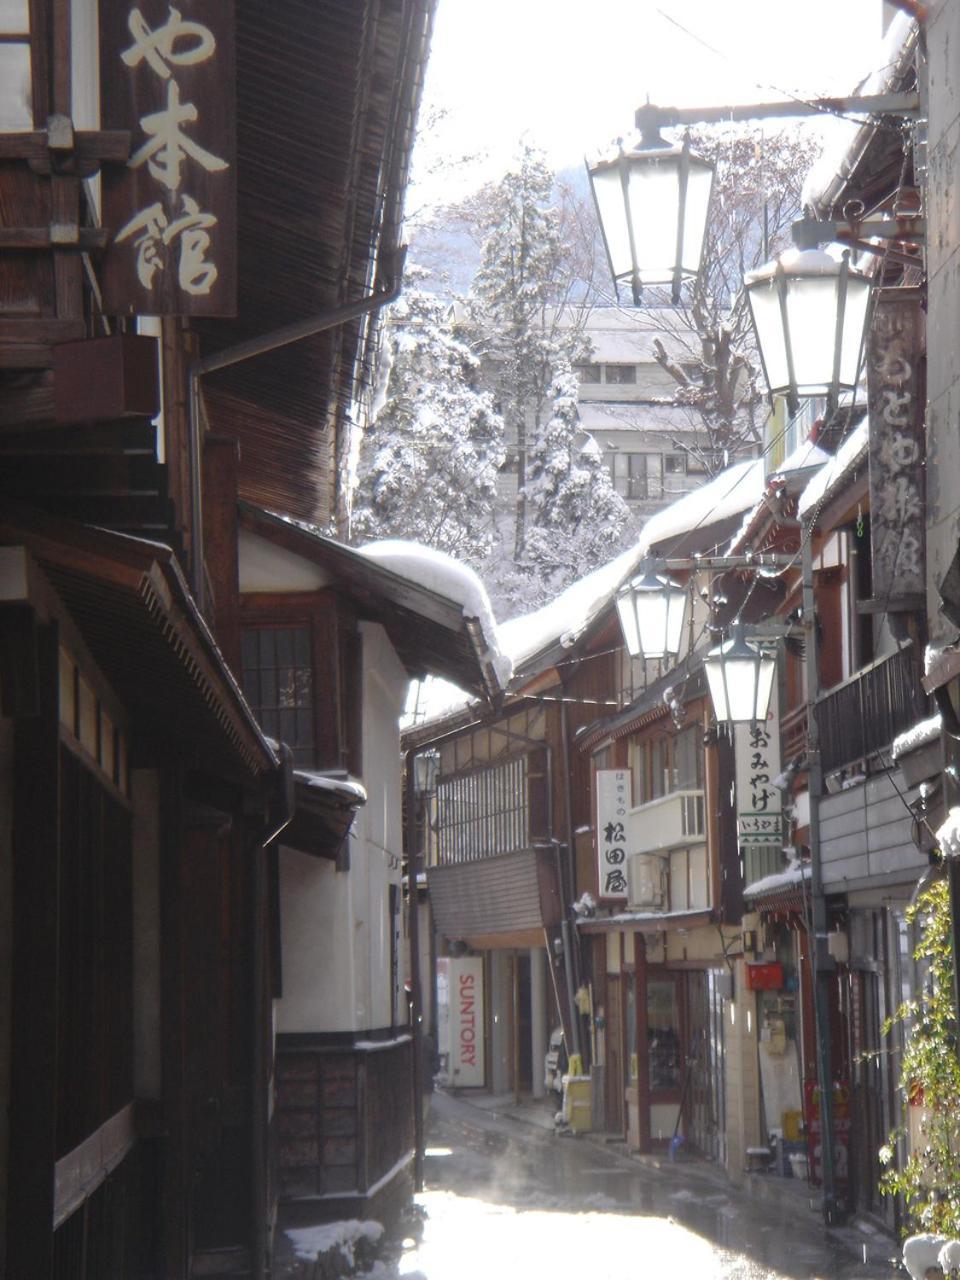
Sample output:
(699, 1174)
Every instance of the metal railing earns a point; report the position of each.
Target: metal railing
(865, 713)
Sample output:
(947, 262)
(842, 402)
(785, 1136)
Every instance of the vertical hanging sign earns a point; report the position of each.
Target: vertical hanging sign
(897, 496)
(167, 75)
(757, 754)
(460, 1018)
(614, 790)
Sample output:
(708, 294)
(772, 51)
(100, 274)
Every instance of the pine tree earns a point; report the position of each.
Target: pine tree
(576, 518)
(514, 300)
(428, 466)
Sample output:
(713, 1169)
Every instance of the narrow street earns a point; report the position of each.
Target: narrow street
(507, 1199)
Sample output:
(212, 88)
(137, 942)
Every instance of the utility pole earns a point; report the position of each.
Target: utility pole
(822, 964)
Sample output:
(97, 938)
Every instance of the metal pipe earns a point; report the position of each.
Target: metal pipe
(331, 318)
(818, 943)
(416, 995)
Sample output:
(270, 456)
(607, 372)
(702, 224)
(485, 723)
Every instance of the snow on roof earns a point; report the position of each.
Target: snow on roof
(805, 456)
(637, 415)
(438, 572)
(347, 789)
(433, 698)
(842, 136)
(564, 619)
(918, 736)
(780, 880)
(948, 836)
(850, 453)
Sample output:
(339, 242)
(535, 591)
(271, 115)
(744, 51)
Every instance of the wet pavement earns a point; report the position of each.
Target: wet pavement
(505, 1199)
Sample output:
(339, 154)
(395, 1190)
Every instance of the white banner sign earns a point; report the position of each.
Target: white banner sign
(614, 792)
(757, 749)
(460, 1017)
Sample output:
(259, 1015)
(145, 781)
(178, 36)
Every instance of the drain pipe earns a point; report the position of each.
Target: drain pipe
(241, 351)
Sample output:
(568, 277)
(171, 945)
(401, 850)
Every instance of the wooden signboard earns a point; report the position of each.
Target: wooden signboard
(897, 495)
(167, 74)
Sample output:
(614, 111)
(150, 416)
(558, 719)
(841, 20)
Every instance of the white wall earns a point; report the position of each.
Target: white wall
(267, 567)
(335, 925)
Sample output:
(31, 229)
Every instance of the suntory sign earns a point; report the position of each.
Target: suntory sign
(462, 1037)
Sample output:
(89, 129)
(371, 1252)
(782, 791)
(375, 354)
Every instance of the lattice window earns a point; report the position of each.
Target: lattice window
(484, 812)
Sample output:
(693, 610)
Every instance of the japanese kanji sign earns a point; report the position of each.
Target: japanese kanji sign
(167, 74)
(897, 495)
(757, 754)
(614, 799)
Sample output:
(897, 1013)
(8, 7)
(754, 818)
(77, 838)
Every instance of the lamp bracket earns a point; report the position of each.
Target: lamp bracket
(905, 105)
(808, 233)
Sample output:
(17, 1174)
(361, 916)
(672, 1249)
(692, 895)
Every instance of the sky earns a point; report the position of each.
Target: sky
(569, 74)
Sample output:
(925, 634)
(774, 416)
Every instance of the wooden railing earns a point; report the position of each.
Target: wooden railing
(865, 713)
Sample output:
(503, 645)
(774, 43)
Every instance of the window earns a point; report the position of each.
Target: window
(620, 374)
(278, 683)
(661, 765)
(484, 812)
(16, 80)
(675, 464)
(643, 476)
(588, 372)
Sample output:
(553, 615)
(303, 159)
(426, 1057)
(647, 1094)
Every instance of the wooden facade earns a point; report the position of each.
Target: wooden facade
(138, 792)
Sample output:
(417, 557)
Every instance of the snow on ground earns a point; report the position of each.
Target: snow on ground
(310, 1242)
(436, 571)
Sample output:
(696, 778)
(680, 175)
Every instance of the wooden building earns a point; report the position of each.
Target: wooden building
(200, 222)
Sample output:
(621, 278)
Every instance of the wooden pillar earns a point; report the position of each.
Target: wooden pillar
(220, 542)
(643, 1055)
(36, 910)
(174, 1231)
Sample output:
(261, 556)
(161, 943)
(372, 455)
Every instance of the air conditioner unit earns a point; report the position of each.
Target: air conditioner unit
(646, 882)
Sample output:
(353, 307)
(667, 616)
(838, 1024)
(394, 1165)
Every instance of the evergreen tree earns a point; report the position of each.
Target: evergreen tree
(576, 518)
(428, 466)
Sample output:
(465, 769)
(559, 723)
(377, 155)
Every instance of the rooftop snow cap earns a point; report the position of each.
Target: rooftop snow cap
(440, 573)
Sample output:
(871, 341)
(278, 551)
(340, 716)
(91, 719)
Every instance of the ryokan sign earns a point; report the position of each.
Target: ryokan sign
(167, 75)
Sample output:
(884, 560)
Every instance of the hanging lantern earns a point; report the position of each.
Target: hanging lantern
(651, 610)
(652, 203)
(809, 311)
(740, 676)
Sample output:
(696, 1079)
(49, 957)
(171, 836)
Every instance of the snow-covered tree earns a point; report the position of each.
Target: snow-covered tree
(576, 518)
(428, 465)
(513, 321)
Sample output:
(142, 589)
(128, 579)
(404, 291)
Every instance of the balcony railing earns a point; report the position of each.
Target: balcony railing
(865, 713)
(670, 822)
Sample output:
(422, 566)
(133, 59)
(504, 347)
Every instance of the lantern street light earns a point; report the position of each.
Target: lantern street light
(809, 311)
(652, 609)
(740, 678)
(652, 204)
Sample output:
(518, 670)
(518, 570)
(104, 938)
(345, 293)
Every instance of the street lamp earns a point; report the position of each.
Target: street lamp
(652, 608)
(740, 678)
(652, 204)
(810, 312)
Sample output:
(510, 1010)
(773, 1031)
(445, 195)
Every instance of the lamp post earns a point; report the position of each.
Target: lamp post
(651, 608)
(809, 312)
(652, 203)
(740, 678)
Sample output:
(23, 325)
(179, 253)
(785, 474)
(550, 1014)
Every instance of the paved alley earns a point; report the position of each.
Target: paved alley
(507, 1199)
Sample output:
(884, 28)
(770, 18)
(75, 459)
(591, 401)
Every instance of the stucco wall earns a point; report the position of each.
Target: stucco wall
(335, 925)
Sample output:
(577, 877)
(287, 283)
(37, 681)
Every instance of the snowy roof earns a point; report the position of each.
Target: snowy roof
(564, 619)
(803, 458)
(787, 879)
(948, 835)
(918, 736)
(349, 790)
(634, 415)
(845, 138)
(433, 698)
(837, 470)
(441, 574)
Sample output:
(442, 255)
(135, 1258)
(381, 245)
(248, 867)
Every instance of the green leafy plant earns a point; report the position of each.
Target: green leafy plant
(928, 1176)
